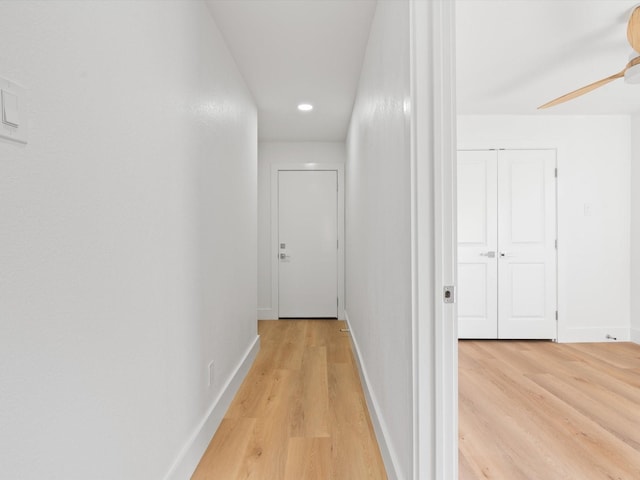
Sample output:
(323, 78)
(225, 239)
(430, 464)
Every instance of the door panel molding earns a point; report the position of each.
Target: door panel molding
(274, 250)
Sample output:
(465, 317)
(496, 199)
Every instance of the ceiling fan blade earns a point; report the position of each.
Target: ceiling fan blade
(583, 90)
(633, 29)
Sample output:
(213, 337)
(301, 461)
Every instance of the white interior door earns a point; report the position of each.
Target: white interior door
(477, 244)
(526, 243)
(308, 244)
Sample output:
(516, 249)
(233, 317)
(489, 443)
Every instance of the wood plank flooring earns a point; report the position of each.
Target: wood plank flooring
(547, 411)
(300, 414)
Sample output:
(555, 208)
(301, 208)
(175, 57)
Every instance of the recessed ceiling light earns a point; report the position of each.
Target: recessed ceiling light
(305, 107)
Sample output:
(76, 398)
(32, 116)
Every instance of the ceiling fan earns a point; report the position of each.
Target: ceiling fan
(631, 71)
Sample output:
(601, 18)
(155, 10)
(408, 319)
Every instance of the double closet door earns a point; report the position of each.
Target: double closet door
(507, 244)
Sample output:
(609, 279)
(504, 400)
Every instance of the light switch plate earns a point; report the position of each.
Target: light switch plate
(13, 112)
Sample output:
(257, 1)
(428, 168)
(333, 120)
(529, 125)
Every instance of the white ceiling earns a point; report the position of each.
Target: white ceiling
(292, 51)
(512, 56)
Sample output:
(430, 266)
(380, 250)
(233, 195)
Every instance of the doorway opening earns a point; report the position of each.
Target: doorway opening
(307, 238)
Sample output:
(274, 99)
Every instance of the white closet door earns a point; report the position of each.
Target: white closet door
(477, 244)
(526, 244)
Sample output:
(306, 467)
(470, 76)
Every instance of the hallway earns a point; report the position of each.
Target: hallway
(299, 414)
(139, 239)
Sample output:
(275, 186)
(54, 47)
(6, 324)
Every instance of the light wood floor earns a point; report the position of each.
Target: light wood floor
(299, 415)
(546, 411)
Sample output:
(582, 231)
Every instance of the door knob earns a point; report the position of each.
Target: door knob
(489, 254)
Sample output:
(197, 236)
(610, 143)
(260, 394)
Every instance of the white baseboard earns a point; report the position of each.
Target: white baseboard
(267, 314)
(594, 334)
(635, 335)
(389, 457)
(194, 448)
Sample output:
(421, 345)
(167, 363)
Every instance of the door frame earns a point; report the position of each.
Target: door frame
(433, 120)
(556, 146)
(275, 264)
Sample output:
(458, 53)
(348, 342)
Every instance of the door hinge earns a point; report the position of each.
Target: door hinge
(337, 302)
(556, 315)
(337, 243)
(449, 294)
(556, 243)
(556, 173)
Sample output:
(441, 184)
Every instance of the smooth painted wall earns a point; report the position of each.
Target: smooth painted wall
(593, 204)
(378, 230)
(272, 153)
(127, 236)
(635, 228)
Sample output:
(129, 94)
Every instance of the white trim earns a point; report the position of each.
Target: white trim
(635, 335)
(267, 314)
(275, 168)
(188, 458)
(594, 334)
(389, 456)
(435, 347)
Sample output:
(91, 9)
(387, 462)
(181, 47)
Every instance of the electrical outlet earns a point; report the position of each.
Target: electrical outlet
(211, 373)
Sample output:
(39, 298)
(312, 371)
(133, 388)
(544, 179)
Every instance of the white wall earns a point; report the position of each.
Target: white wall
(271, 153)
(127, 236)
(635, 228)
(594, 248)
(378, 231)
